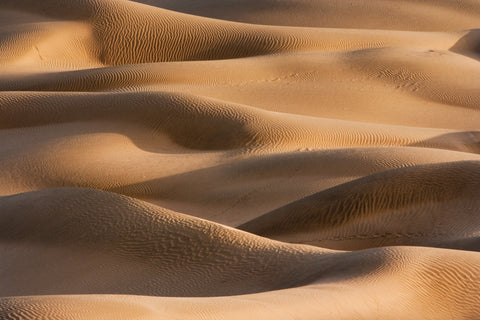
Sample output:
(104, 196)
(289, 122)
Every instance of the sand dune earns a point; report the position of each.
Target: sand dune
(104, 243)
(451, 276)
(425, 15)
(441, 199)
(239, 159)
(105, 237)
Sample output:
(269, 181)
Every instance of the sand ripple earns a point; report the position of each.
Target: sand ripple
(261, 159)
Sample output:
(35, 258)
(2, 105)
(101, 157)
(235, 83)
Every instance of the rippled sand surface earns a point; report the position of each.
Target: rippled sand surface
(220, 159)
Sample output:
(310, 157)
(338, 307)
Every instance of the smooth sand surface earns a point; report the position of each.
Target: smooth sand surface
(261, 159)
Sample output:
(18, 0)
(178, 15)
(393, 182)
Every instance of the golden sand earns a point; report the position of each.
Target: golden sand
(254, 159)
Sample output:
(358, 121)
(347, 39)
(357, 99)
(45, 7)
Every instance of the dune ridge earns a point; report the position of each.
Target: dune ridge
(121, 236)
(239, 159)
(369, 210)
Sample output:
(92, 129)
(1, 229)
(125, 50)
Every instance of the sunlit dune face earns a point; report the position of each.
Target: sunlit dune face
(261, 159)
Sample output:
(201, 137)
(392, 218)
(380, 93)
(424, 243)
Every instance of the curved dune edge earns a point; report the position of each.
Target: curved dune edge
(431, 15)
(414, 76)
(208, 124)
(96, 239)
(276, 179)
(431, 283)
(91, 236)
(434, 205)
(157, 34)
(184, 159)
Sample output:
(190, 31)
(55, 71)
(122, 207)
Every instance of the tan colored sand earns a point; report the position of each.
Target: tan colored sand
(239, 159)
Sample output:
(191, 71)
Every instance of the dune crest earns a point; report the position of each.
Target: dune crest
(239, 159)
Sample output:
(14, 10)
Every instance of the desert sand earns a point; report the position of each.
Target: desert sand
(267, 159)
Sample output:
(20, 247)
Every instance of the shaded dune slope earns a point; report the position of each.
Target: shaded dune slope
(99, 242)
(90, 236)
(277, 180)
(445, 282)
(229, 187)
(262, 159)
(156, 34)
(433, 204)
(409, 73)
(209, 124)
(429, 15)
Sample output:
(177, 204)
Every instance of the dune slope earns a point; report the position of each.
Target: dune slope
(239, 159)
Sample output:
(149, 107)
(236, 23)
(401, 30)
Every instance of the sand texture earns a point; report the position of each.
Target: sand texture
(253, 159)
